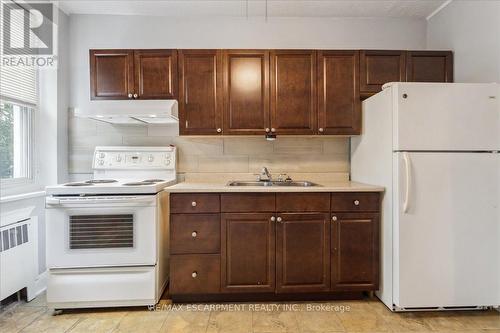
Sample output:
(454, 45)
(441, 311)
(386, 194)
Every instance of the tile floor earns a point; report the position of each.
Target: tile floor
(367, 315)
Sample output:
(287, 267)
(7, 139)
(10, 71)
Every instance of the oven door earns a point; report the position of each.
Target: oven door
(101, 231)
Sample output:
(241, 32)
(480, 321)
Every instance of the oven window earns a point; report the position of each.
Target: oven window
(101, 231)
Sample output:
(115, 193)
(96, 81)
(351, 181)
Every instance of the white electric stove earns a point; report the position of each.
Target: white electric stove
(107, 237)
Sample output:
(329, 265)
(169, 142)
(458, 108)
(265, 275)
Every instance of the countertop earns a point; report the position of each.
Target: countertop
(342, 186)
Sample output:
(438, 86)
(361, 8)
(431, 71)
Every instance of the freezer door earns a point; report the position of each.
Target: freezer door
(446, 116)
(446, 229)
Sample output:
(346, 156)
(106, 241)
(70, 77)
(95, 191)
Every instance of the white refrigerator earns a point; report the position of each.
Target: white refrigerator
(435, 147)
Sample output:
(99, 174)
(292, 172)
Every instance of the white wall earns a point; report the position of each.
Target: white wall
(472, 30)
(62, 97)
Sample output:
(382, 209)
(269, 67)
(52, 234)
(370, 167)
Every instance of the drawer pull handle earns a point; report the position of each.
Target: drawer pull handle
(194, 234)
(193, 203)
(334, 218)
(356, 202)
(194, 274)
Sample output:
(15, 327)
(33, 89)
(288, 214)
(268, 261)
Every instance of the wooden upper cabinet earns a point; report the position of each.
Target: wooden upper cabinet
(429, 66)
(247, 252)
(302, 252)
(339, 106)
(293, 91)
(355, 251)
(155, 74)
(380, 66)
(111, 74)
(200, 92)
(246, 91)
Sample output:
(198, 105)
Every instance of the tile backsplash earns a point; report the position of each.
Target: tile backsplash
(326, 155)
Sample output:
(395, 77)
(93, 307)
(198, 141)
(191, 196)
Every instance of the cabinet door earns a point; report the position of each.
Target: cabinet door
(355, 251)
(429, 66)
(248, 252)
(302, 252)
(293, 91)
(111, 74)
(155, 74)
(380, 66)
(246, 91)
(339, 108)
(200, 93)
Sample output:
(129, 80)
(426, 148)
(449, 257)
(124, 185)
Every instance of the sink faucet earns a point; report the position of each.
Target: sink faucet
(264, 175)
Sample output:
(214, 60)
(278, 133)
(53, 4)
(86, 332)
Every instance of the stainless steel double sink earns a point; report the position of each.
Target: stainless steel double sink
(272, 183)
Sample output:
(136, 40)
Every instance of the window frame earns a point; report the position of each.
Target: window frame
(19, 185)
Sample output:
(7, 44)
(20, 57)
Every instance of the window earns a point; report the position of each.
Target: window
(16, 136)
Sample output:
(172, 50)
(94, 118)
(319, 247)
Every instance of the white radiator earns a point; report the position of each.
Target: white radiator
(18, 260)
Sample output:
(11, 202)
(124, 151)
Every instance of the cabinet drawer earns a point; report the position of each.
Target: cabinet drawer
(195, 233)
(194, 203)
(302, 202)
(355, 202)
(195, 274)
(248, 202)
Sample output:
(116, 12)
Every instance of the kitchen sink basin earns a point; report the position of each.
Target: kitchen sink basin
(249, 183)
(272, 183)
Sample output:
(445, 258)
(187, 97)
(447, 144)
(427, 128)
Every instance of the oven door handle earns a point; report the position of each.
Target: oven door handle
(54, 202)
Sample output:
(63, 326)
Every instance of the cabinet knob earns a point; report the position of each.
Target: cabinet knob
(267, 129)
(194, 234)
(130, 96)
(321, 129)
(193, 203)
(273, 219)
(334, 218)
(279, 219)
(273, 129)
(194, 274)
(356, 202)
(219, 130)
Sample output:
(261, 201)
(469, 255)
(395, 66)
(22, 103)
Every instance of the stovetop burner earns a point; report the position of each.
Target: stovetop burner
(78, 184)
(138, 183)
(100, 181)
(153, 180)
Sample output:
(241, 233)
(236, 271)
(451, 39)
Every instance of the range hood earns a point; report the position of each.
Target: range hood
(130, 112)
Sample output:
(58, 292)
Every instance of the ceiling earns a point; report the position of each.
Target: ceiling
(254, 8)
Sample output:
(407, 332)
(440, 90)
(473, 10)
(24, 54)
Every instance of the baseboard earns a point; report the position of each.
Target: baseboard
(41, 283)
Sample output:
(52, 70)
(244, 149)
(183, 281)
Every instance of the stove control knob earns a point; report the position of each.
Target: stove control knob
(101, 162)
(151, 158)
(101, 155)
(167, 162)
(118, 158)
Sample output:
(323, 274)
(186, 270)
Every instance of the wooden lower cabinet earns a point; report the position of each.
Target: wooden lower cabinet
(232, 246)
(247, 252)
(302, 252)
(355, 251)
(195, 274)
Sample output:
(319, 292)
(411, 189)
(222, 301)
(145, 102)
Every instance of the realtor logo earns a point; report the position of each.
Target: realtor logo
(27, 30)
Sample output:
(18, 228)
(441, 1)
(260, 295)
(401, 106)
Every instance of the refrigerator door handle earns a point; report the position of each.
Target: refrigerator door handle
(406, 202)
